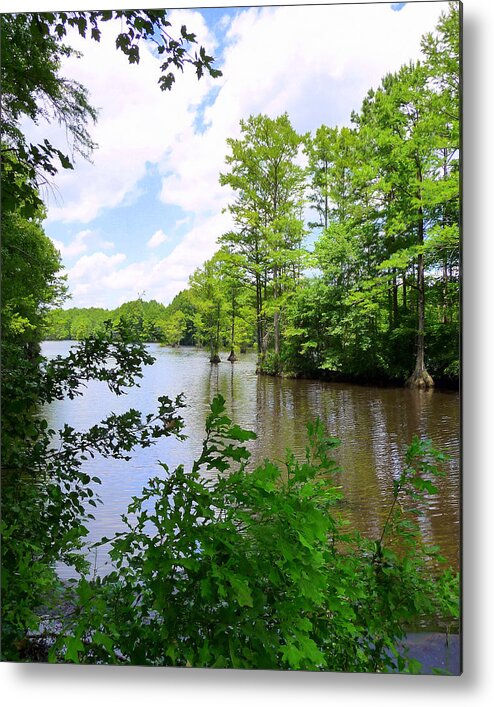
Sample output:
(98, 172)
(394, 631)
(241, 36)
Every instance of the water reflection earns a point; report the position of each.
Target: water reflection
(374, 424)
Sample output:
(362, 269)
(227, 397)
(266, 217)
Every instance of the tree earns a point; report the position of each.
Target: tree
(269, 188)
(442, 61)
(386, 194)
(143, 316)
(239, 312)
(32, 49)
(173, 328)
(31, 280)
(184, 302)
(207, 295)
(47, 496)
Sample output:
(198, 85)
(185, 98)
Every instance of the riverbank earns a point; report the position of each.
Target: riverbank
(339, 377)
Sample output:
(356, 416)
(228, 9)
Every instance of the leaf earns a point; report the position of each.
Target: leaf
(242, 591)
(292, 655)
(217, 405)
(104, 640)
(237, 433)
(73, 645)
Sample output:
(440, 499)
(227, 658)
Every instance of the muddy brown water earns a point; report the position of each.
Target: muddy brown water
(374, 424)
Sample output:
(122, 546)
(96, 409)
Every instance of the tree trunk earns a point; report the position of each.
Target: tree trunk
(445, 293)
(232, 358)
(326, 205)
(215, 343)
(276, 323)
(259, 314)
(395, 300)
(420, 378)
(276, 315)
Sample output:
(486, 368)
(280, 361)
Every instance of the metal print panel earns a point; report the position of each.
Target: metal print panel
(230, 337)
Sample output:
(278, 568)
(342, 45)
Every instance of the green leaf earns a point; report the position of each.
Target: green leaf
(74, 646)
(242, 591)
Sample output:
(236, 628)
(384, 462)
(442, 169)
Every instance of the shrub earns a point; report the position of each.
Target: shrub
(256, 569)
(47, 496)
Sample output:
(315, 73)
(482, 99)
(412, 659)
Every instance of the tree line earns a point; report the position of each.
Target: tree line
(344, 254)
(377, 296)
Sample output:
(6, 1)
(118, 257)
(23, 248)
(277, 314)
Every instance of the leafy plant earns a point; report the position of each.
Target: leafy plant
(225, 567)
(47, 494)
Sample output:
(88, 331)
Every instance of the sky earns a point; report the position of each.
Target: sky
(139, 218)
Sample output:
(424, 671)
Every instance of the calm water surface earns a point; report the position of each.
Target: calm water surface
(374, 424)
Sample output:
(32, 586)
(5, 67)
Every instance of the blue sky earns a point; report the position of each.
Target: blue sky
(148, 210)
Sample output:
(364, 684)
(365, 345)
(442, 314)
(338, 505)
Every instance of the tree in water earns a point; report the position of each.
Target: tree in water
(268, 233)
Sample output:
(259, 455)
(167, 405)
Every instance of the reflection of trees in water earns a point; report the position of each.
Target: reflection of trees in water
(281, 418)
(374, 424)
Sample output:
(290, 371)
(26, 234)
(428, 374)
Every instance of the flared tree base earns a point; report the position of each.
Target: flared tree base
(420, 379)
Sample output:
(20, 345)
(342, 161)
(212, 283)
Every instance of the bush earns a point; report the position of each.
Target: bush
(47, 496)
(255, 569)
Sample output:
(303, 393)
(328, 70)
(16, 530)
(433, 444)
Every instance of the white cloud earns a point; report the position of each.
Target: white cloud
(314, 62)
(106, 245)
(157, 239)
(102, 280)
(137, 122)
(85, 278)
(77, 246)
(80, 244)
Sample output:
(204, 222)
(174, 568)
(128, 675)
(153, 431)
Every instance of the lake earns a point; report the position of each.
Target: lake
(374, 424)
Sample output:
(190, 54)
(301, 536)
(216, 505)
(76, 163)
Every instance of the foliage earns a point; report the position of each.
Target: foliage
(47, 493)
(206, 293)
(77, 323)
(144, 317)
(172, 330)
(386, 194)
(222, 302)
(184, 303)
(32, 86)
(31, 280)
(255, 569)
(269, 197)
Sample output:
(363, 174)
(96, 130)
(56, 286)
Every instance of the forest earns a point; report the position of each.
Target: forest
(344, 257)
(344, 261)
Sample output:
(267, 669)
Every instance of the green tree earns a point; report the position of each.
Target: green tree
(184, 302)
(386, 195)
(239, 310)
(269, 188)
(143, 316)
(207, 295)
(31, 280)
(47, 497)
(173, 328)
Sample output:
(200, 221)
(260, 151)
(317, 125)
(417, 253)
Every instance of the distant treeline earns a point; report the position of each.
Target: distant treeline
(188, 320)
(151, 321)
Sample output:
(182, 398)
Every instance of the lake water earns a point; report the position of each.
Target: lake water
(374, 424)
